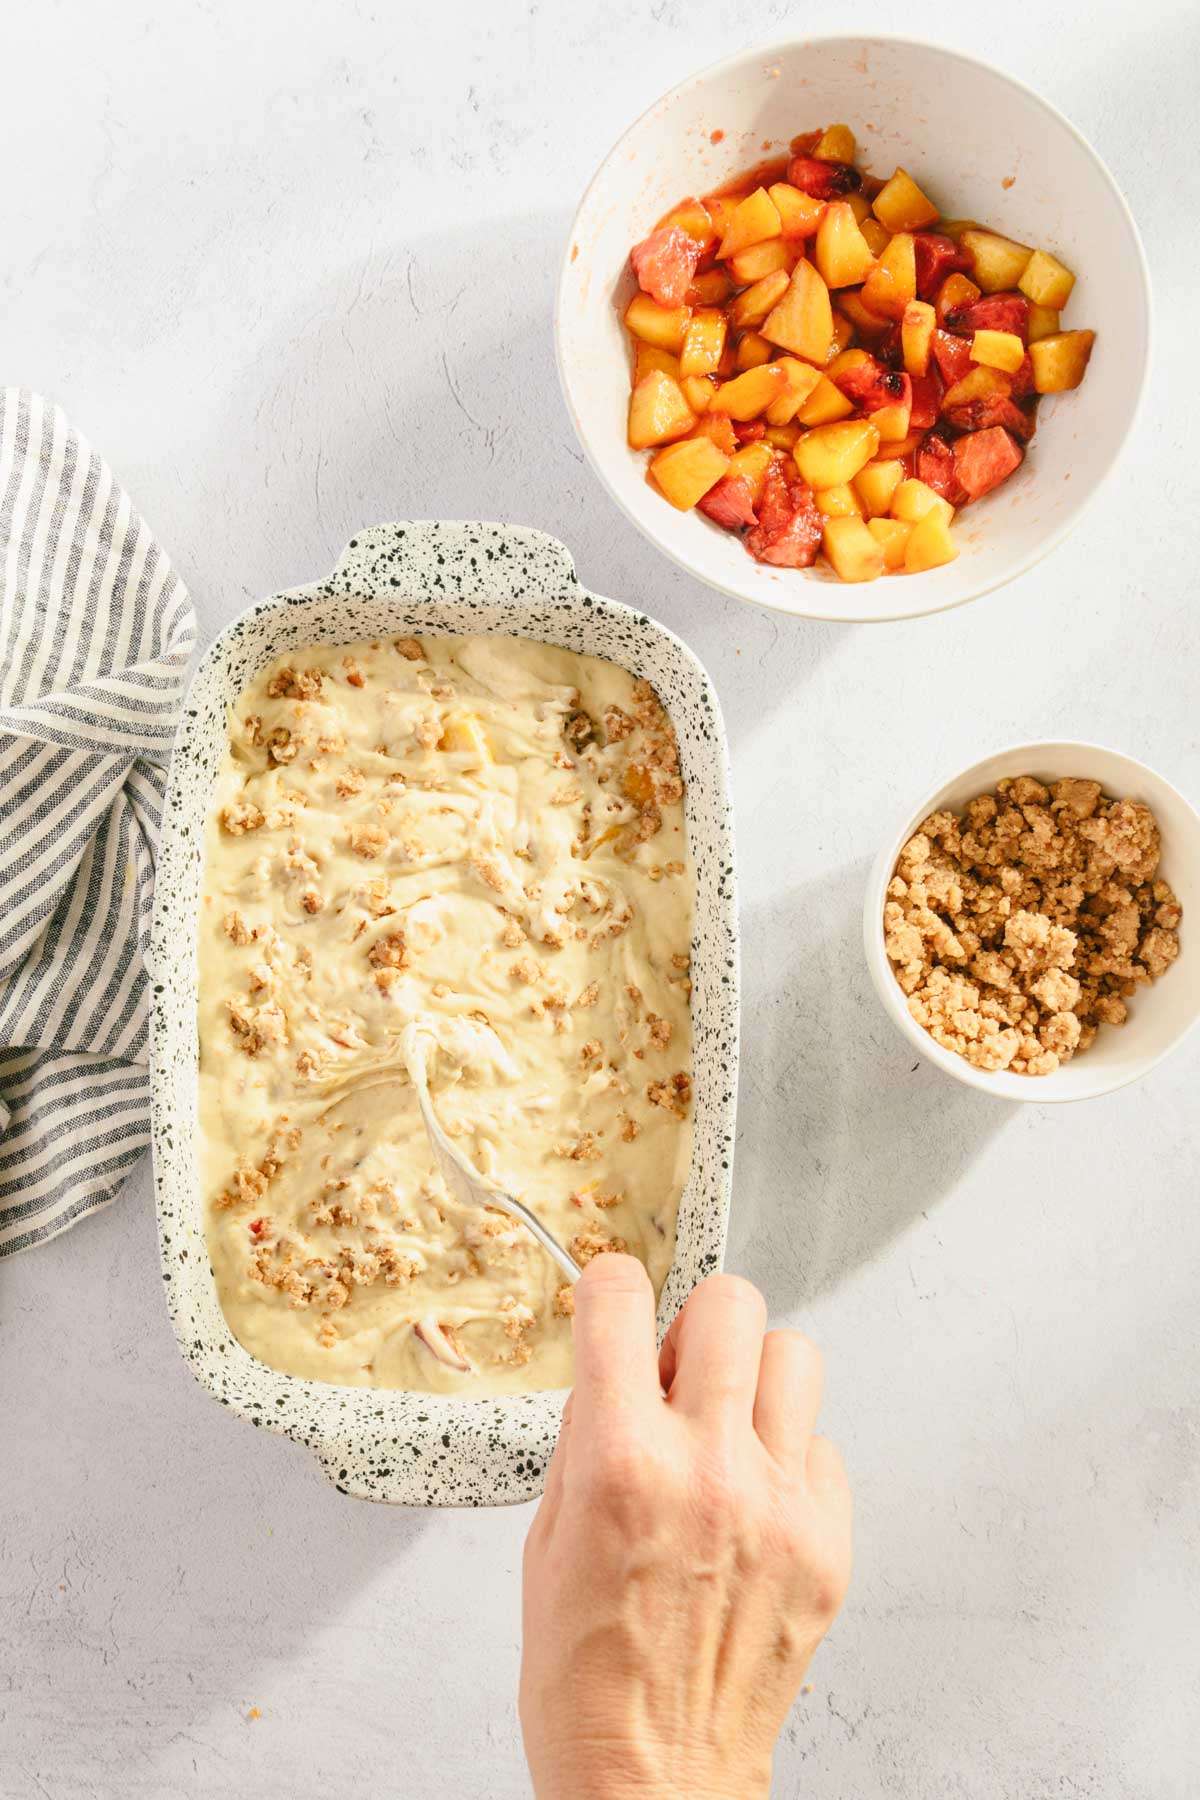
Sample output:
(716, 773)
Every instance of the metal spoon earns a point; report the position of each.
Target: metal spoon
(462, 1175)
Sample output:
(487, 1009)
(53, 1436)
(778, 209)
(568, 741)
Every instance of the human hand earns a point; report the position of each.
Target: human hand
(689, 1553)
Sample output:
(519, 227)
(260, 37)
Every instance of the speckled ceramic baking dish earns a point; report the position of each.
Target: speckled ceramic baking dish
(382, 1444)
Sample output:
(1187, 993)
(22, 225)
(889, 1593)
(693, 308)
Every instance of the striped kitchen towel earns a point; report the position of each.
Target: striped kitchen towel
(95, 634)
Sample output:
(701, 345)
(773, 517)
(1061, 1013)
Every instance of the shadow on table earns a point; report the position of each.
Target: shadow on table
(421, 383)
(844, 1135)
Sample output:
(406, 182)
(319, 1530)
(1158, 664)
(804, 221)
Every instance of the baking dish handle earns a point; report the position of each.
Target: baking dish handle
(503, 552)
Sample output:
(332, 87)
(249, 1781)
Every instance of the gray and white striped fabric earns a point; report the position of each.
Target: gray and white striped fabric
(95, 634)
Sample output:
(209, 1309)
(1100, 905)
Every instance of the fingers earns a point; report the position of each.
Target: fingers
(709, 1361)
(615, 1366)
(789, 1397)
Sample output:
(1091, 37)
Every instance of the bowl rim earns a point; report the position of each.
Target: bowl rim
(889, 991)
(1078, 507)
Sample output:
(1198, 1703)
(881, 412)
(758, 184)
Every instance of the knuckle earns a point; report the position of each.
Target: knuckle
(798, 1347)
(733, 1291)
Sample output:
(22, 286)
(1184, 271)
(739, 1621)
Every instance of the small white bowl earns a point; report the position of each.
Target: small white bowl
(964, 129)
(1160, 1016)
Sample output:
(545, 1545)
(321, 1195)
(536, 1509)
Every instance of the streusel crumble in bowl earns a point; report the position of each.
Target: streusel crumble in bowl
(1028, 928)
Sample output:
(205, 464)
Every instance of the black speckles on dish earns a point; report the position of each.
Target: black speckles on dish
(382, 1444)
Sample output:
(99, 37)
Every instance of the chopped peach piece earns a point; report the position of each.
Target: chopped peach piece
(747, 395)
(877, 239)
(802, 378)
(802, 321)
(799, 213)
(703, 342)
(710, 288)
(838, 502)
(698, 391)
(750, 464)
(649, 356)
(892, 536)
(835, 144)
(752, 306)
(1043, 322)
(957, 290)
(843, 331)
(843, 255)
(917, 325)
(867, 324)
(719, 428)
(783, 437)
(896, 449)
(762, 259)
(1059, 360)
(853, 551)
(753, 350)
(901, 206)
(825, 404)
(891, 421)
(998, 350)
(693, 217)
(892, 284)
(997, 263)
(830, 455)
(929, 545)
(658, 411)
(663, 326)
(1046, 281)
(978, 383)
(753, 219)
(876, 484)
(914, 499)
(686, 471)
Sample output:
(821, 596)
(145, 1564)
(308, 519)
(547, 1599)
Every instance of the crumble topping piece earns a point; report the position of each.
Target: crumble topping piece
(291, 684)
(368, 840)
(1019, 928)
(240, 816)
(674, 1094)
(586, 1244)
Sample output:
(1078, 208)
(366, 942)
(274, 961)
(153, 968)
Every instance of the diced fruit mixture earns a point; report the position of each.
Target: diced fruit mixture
(826, 365)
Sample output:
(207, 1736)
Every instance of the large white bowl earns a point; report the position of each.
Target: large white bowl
(1160, 1016)
(961, 128)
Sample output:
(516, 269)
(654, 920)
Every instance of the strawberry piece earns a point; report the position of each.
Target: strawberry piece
(991, 312)
(730, 503)
(926, 401)
(989, 410)
(952, 356)
(1022, 378)
(983, 459)
(937, 256)
(870, 385)
(788, 533)
(664, 264)
(823, 180)
(748, 431)
(256, 1227)
(935, 467)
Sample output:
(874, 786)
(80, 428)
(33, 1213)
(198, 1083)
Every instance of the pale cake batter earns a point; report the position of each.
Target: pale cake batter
(486, 834)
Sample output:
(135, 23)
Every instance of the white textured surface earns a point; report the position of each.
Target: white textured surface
(292, 269)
